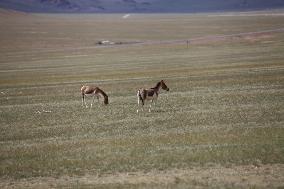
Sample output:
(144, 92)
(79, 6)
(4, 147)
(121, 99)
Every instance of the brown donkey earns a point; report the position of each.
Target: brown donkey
(150, 94)
(92, 91)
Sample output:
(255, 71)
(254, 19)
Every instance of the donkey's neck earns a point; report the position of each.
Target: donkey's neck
(157, 87)
(102, 93)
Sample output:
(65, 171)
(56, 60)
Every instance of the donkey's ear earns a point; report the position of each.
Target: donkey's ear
(162, 80)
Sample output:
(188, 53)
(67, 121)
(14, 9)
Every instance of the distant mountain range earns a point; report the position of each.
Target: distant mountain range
(139, 6)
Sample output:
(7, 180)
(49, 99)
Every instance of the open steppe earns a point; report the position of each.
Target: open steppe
(221, 125)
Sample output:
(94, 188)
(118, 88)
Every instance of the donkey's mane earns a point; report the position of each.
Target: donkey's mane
(157, 85)
(101, 91)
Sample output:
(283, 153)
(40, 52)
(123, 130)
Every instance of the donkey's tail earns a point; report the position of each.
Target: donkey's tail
(139, 95)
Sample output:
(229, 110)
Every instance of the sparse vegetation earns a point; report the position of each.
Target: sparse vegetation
(223, 116)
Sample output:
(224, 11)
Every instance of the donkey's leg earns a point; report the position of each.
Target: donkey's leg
(150, 106)
(138, 101)
(138, 107)
(143, 103)
(92, 101)
(155, 101)
(84, 101)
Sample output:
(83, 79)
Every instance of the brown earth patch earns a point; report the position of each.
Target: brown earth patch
(259, 176)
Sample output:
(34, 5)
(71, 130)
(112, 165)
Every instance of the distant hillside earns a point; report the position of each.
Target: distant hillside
(8, 13)
(139, 6)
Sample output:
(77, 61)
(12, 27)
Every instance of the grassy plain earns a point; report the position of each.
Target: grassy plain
(219, 126)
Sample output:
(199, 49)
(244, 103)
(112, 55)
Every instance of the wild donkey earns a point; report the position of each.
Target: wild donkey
(92, 91)
(150, 94)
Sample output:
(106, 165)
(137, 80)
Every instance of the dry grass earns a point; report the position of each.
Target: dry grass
(196, 177)
(223, 116)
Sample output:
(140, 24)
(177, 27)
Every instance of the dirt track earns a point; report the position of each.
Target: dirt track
(204, 38)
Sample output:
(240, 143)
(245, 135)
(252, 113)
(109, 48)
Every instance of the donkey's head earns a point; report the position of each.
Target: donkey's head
(164, 86)
(106, 100)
